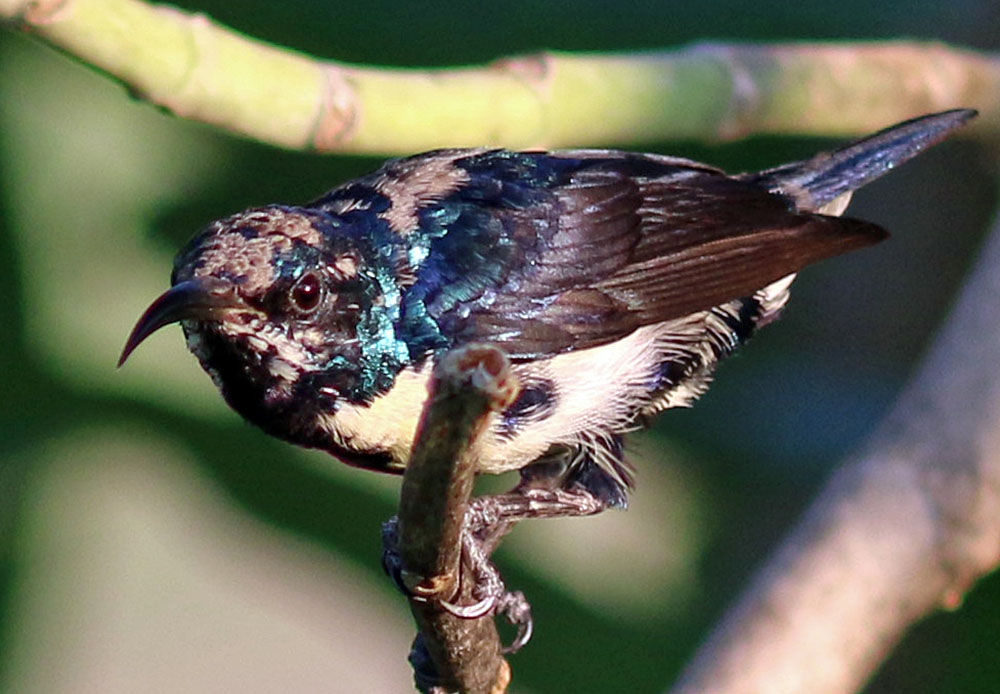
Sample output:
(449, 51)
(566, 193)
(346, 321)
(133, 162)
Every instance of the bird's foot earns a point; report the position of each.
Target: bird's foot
(487, 520)
(487, 587)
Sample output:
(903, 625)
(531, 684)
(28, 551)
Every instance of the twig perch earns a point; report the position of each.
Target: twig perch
(468, 386)
(200, 70)
(903, 529)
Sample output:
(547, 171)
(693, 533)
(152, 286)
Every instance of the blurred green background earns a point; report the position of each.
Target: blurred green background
(151, 541)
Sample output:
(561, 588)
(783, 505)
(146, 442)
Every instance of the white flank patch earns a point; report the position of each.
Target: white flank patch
(599, 391)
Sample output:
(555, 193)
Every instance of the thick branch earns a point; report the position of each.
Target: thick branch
(469, 385)
(203, 71)
(902, 530)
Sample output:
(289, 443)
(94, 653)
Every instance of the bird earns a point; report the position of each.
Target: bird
(615, 282)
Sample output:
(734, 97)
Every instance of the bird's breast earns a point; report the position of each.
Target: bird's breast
(388, 424)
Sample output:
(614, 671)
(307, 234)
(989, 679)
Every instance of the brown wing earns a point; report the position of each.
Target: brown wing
(617, 251)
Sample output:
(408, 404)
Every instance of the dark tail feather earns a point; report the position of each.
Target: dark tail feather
(817, 181)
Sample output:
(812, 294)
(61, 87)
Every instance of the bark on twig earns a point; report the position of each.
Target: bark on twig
(200, 70)
(901, 530)
(468, 386)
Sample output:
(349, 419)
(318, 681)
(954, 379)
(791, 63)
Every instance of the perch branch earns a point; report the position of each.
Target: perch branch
(903, 529)
(201, 70)
(468, 386)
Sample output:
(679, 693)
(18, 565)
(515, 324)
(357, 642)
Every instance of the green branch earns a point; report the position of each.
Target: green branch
(197, 69)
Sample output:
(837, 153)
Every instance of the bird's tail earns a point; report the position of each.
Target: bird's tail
(816, 182)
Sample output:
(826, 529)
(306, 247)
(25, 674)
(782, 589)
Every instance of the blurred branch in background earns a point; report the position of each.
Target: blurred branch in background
(200, 70)
(903, 529)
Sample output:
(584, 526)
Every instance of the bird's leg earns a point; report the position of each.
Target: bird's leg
(486, 581)
(568, 482)
(487, 521)
(489, 518)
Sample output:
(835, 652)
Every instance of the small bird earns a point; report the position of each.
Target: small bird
(615, 281)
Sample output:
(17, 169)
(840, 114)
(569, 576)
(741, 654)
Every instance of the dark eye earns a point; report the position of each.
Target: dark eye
(306, 293)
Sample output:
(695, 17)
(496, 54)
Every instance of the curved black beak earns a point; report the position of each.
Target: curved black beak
(200, 299)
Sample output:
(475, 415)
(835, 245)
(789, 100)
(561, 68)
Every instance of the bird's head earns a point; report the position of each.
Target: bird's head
(282, 306)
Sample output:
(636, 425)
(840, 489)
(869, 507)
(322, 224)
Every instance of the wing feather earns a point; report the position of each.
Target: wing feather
(606, 250)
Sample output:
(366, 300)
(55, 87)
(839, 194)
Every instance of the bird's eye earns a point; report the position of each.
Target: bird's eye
(306, 293)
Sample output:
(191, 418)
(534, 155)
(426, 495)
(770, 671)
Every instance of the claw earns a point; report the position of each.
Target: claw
(487, 521)
(515, 607)
(473, 611)
(524, 633)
